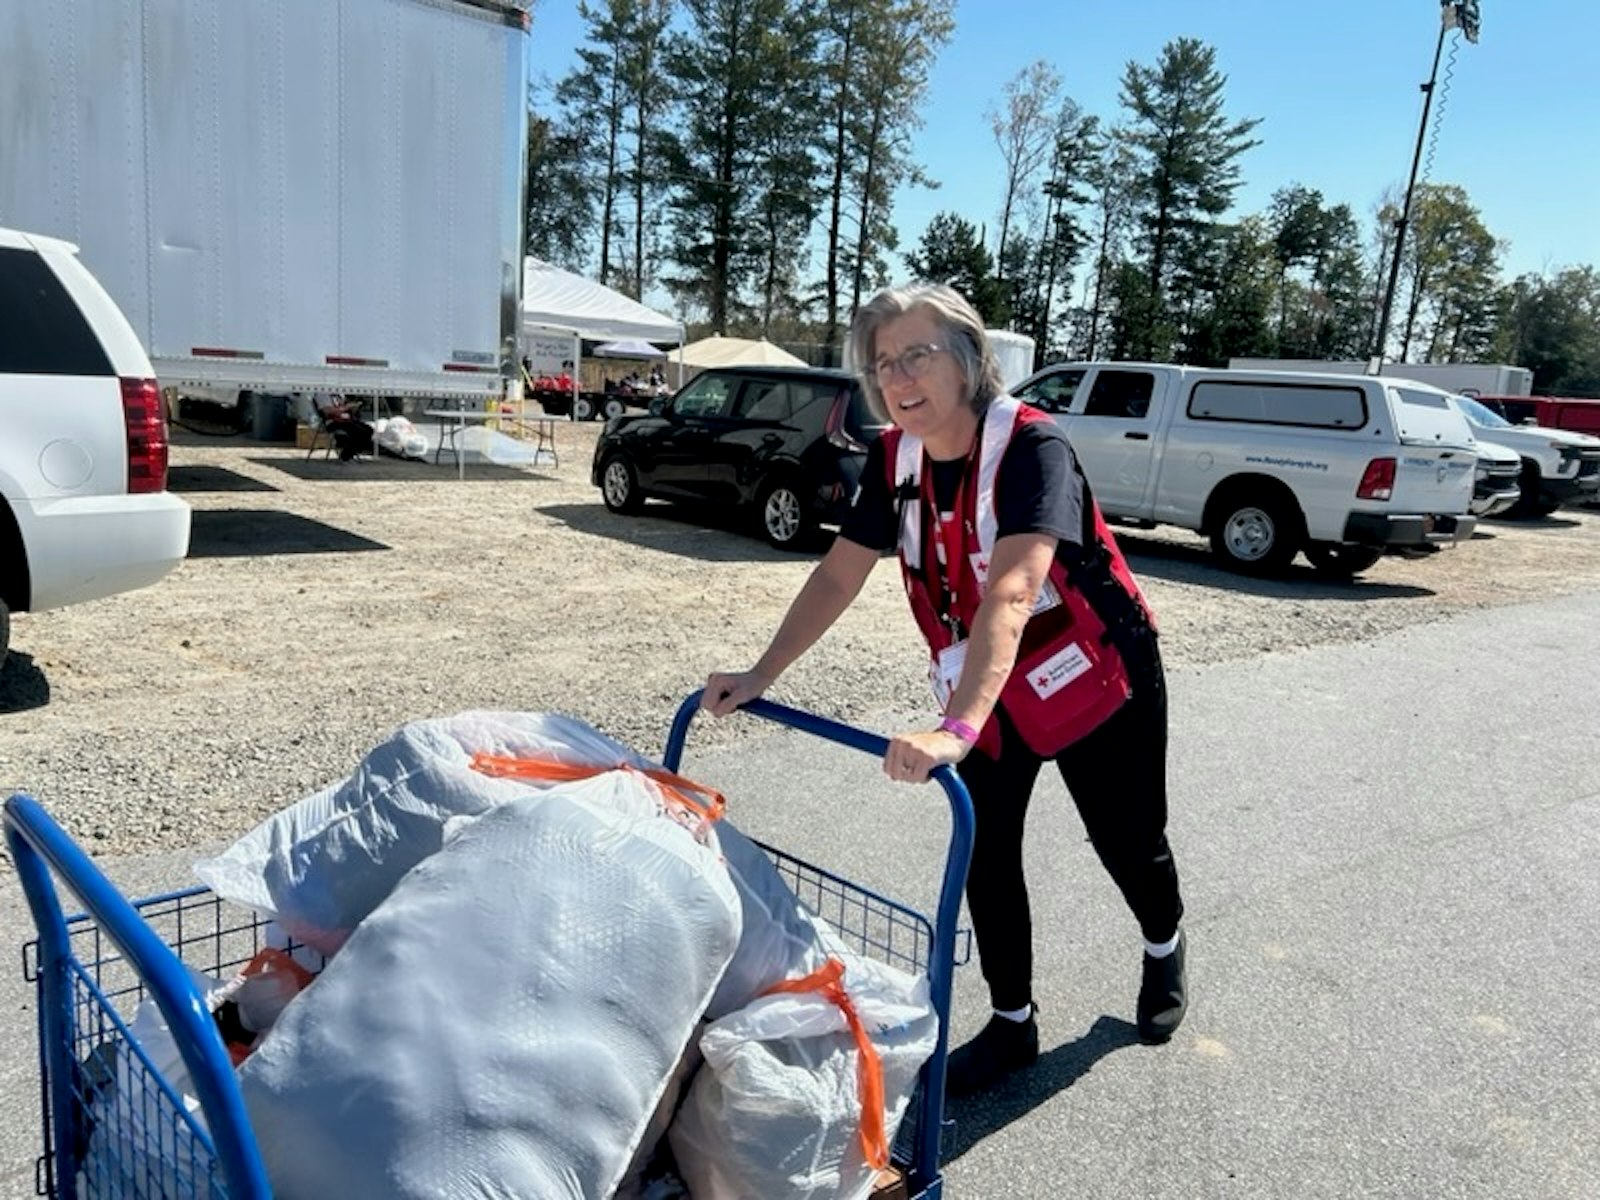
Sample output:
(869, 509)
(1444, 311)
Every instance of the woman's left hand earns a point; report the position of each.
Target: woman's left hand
(911, 757)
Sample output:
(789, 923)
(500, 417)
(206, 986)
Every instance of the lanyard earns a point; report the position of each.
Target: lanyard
(951, 538)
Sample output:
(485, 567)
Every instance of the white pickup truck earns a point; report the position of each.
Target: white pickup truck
(1558, 466)
(1268, 464)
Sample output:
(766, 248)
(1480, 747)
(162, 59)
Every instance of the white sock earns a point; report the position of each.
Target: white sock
(1019, 1015)
(1161, 949)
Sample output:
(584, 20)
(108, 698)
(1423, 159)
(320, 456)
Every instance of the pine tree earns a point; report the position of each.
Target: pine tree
(1188, 153)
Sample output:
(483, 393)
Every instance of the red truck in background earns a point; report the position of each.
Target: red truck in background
(1553, 412)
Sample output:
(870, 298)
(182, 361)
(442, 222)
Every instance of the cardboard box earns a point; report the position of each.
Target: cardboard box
(302, 437)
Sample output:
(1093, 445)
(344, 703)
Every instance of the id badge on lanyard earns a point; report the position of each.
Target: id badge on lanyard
(950, 547)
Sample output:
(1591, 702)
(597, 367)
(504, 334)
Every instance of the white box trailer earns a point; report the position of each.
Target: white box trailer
(1467, 379)
(282, 195)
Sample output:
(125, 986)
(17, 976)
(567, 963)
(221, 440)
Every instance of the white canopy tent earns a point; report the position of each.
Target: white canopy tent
(556, 299)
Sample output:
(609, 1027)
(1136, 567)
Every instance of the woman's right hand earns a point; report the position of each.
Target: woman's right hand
(724, 693)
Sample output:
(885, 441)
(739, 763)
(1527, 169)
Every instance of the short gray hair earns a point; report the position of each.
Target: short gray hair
(964, 339)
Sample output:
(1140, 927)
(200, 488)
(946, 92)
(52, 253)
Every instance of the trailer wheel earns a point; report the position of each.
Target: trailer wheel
(612, 406)
(583, 409)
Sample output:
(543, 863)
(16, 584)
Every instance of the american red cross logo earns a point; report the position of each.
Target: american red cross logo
(983, 564)
(1042, 680)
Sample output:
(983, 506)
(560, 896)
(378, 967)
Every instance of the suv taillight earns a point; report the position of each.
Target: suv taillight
(834, 427)
(147, 435)
(1377, 482)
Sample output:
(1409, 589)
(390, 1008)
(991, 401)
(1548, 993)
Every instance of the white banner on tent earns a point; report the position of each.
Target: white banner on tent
(546, 351)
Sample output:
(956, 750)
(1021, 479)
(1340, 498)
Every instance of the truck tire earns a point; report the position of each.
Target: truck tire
(1341, 560)
(1531, 484)
(1255, 531)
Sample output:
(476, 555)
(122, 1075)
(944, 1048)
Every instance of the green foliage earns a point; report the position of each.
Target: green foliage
(1450, 263)
(743, 157)
(1552, 325)
(1187, 152)
(560, 194)
(952, 251)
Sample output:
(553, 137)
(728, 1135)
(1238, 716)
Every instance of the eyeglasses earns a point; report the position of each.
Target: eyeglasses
(912, 363)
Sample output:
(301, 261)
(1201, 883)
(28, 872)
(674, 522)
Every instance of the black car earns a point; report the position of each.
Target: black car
(789, 442)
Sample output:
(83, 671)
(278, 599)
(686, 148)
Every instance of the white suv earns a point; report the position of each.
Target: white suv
(84, 510)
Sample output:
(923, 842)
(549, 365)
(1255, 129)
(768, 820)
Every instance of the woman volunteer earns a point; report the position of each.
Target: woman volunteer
(1042, 647)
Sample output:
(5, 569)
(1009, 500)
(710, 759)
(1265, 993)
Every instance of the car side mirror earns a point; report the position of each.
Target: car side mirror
(658, 406)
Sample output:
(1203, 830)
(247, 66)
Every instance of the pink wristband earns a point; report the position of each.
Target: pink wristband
(961, 729)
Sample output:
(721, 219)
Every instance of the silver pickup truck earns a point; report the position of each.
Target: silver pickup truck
(1269, 464)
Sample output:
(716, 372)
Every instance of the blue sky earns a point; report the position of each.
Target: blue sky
(1336, 86)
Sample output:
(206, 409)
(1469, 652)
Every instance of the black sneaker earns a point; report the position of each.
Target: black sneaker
(1163, 995)
(1003, 1046)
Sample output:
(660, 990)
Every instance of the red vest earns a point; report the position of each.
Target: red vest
(1068, 676)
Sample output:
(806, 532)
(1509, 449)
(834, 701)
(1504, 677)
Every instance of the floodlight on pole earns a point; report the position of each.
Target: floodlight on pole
(1453, 14)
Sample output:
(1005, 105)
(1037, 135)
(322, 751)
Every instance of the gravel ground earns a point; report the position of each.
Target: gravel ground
(324, 604)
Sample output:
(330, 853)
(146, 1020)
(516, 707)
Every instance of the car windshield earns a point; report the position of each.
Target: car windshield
(1478, 414)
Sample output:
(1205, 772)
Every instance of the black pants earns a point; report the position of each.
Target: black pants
(1117, 776)
(352, 437)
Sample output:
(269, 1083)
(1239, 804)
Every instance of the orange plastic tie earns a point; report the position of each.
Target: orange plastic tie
(829, 981)
(551, 770)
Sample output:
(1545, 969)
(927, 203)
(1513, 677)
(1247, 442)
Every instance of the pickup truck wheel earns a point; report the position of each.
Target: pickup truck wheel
(1341, 560)
(784, 520)
(1531, 484)
(619, 485)
(1255, 533)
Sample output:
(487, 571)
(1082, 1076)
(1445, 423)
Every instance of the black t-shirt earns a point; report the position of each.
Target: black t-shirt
(1038, 489)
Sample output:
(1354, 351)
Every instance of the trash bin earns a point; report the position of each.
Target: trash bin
(269, 418)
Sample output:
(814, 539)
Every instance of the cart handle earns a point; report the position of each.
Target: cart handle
(941, 962)
(38, 846)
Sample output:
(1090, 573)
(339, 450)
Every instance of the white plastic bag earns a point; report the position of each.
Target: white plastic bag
(322, 864)
(507, 1021)
(777, 1110)
(400, 437)
(780, 937)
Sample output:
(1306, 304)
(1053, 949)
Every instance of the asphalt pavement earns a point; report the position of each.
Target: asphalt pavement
(1387, 853)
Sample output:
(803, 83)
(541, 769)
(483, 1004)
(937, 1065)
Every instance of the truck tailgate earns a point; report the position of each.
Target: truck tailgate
(1433, 479)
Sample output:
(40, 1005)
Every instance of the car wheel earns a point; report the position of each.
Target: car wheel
(1341, 560)
(583, 409)
(784, 520)
(619, 485)
(613, 407)
(1255, 533)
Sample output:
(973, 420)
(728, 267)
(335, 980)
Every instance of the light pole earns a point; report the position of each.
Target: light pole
(1453, 14)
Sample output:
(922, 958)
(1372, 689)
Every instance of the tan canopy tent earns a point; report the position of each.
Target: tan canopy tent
(735, 352)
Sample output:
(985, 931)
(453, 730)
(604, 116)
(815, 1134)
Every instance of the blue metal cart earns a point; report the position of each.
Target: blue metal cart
(114, 1126)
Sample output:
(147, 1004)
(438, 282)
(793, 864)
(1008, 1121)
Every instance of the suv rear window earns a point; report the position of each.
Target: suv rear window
(1315, 405)
(41, 330)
